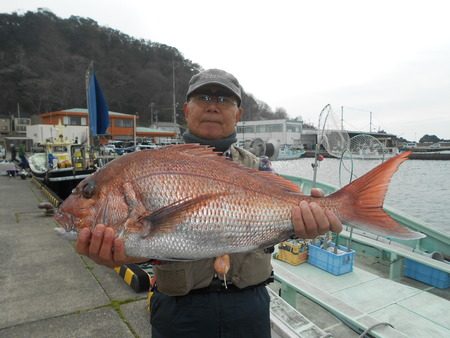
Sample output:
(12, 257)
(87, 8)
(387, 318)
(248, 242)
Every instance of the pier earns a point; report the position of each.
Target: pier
(48, 290)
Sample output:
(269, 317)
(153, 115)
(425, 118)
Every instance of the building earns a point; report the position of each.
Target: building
(5, 126)
(310, 137)
(156, 135)
(282, 131)
(14, 126)
(121, 126)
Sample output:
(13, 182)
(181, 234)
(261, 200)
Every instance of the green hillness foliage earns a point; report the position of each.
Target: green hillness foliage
(43, 63)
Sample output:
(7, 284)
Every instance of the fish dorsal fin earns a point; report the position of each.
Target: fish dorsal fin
(280, 181)
(209, 154)
(166, 218)
(191, 148)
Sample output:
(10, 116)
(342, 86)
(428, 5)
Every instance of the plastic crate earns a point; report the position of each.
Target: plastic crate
(426, 274)
(337, 264)
(293, 251)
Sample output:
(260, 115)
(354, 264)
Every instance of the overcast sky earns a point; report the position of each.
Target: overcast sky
(391, 58)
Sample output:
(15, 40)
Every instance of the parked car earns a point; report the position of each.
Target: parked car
(124, 150)
(108, 149)
(146, 146)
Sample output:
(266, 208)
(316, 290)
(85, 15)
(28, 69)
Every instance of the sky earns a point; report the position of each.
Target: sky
(379, 64)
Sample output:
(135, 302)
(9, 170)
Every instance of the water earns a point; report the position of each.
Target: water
(419, 188)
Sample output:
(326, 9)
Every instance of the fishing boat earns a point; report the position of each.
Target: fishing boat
(382, 288)
(61, 166)
(288, 152)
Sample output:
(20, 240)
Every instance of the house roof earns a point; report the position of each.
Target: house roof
(84, 111)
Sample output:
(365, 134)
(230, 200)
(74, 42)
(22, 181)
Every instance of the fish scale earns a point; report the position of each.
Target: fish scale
(185, 202)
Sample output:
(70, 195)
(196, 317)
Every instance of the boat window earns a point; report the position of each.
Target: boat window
(59, 149)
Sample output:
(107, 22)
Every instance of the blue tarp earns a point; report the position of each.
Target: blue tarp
(98, 108)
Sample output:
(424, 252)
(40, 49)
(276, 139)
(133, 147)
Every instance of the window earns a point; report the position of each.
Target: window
(74, 121)
(273, 128)
(246, 129)
(123, 123)
(293, 128)
(260, 129)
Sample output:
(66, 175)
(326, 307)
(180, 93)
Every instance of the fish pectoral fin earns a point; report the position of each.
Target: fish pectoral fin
(133, 201)
(166, 219)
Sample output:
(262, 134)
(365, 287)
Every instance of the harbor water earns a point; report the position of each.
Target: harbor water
(419, 188)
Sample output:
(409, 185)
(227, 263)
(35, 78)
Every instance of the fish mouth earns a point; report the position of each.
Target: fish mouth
(65, 220)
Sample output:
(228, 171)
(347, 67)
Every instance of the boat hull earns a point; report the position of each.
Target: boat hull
(62, 181)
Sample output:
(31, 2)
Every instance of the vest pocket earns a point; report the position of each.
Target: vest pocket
(178, 278)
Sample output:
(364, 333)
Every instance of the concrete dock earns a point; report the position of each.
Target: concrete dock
(47, 289)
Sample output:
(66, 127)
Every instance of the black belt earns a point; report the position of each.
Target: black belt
(218, 285)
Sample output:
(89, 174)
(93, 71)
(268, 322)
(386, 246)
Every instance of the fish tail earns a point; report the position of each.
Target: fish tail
(361, 202)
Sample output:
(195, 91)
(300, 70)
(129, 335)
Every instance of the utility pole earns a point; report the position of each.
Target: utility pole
(174, 96)
(151, 113)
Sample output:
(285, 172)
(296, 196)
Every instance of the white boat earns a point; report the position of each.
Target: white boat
(61, 166)
(288, 152)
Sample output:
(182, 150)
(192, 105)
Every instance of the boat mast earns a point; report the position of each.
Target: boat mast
(88, 73)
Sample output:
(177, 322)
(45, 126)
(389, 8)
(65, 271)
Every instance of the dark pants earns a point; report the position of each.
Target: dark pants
(243, 314)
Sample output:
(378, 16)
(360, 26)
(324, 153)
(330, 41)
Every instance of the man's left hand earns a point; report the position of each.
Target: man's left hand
(311, 220)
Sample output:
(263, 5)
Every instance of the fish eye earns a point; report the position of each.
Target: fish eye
(88, 190)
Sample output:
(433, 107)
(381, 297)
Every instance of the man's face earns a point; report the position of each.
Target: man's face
(212, 120)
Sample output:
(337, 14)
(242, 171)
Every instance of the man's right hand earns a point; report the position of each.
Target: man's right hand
(102, 246)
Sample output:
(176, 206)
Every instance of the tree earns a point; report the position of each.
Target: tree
(429, 139)
(43, 63)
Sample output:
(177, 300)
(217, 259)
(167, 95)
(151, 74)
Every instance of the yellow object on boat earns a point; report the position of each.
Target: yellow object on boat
(293, 251)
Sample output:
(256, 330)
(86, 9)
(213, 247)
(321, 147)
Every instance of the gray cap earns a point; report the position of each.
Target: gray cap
(215, 76)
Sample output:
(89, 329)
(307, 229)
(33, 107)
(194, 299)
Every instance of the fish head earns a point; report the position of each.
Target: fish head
(93, 201)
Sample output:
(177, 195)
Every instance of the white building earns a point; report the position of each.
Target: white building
(42, 133)
(282, 131)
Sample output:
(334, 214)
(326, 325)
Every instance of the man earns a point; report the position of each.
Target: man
(13, 152)
(189, 299)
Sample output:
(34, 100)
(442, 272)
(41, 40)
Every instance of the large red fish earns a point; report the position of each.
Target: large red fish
(187, 202)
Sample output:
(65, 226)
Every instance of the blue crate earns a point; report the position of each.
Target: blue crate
(337, 264)
(426, 274)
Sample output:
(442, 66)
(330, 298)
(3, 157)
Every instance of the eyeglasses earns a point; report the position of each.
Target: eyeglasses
(219, 99)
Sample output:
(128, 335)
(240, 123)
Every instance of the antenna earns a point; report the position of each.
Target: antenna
(334, 139)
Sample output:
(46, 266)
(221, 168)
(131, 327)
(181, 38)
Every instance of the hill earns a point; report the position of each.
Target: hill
(43, 63)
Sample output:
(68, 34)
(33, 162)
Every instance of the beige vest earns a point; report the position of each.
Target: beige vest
(178, 278)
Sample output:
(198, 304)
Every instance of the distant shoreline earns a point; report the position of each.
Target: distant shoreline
(421, 155)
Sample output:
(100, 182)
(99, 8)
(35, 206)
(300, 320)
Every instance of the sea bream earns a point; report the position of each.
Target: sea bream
(187, 202)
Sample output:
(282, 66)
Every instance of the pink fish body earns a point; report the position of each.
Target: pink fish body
(186, 202)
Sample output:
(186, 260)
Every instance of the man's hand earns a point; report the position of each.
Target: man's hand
(311, 220)
(103, 248)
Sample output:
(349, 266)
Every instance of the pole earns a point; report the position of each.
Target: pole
(134, 130)
(370, 125)
(342, 117)
(151, 113)
(88, 73)
(174, 96)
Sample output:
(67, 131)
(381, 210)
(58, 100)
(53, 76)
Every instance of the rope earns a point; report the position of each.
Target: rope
(372, 327)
